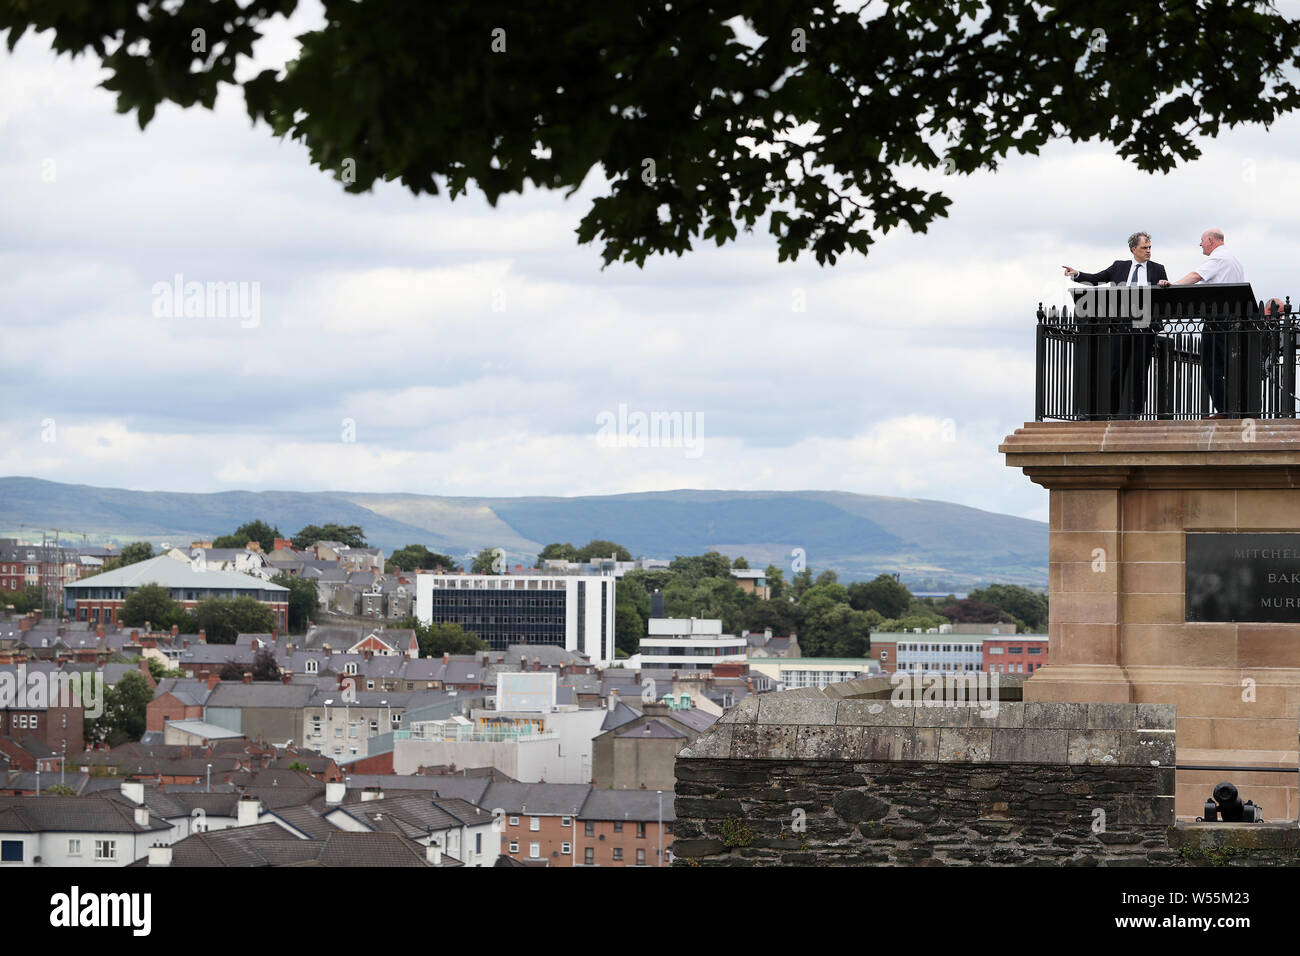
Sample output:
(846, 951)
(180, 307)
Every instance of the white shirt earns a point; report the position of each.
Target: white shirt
(1141, 274)
(1221, 266)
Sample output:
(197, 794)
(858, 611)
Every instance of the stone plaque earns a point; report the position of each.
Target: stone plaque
(1243, 577)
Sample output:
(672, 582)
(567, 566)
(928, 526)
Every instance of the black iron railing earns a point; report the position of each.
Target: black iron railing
(1155, 355)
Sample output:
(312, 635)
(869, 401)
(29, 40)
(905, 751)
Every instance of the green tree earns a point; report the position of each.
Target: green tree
(740, 564)
(800, 582)
(258, 531)
(134, 553)
(438, 639)
(60, 790)
(693, 568)
(629, 628)
(224, 619)
(416, 557)
(775, 582)
(159, 670)
(304, 600)
(827, 577)
(152, 603)
(814, 116)
(123, 717)
(489, 561)
(557, 552)
(970, 611)
(265, 666)
(884, 595)
(1028, 607)
(350, 535)
(597, 548)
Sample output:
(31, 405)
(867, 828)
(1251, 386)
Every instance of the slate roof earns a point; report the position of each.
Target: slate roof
(260, 694)
(47, 814)
(639, 805)
(620, 715)
(537, 798)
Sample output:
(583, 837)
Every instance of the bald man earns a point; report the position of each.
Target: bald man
(1220, 266)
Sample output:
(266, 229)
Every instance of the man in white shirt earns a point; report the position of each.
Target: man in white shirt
(1221, 266)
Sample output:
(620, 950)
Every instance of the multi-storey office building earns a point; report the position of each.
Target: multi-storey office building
(685, 644)
(575, 612)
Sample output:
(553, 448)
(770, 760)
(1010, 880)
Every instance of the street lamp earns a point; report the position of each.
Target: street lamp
(209, 787)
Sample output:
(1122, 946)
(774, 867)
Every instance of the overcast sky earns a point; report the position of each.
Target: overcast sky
(475, 350)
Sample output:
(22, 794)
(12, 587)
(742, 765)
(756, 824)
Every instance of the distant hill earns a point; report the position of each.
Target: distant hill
(857, 535)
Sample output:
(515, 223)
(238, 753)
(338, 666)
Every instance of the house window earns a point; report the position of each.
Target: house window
(514, 821)
(105, 849)
(566, 821)
(618, 826)
(640, 857)
(618, 853)
(350, 667)
(11, 851)
(32, 722)
(589, 856)
(514, 846)
(338, 731)
(370, 685)
(534, 851)
(374, 726)
(534, 823)
(566, 848)
(590, 828)
(352, 728)
(311, 667)
(74, 848)
(478, 843)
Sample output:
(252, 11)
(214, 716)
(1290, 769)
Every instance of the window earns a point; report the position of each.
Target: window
(478, 843)
(618, 826)
(374, 726)
(534, 851)
(74, 848)
(995, 650)
(534, 823)
(566, 821)
(311, 667)
(590, 828)
(1033, 650)
(514, 846)
(338, 731)
(566, 848)
(105, 849)
(589, 856)
(11, 851)
(32, 721)
(352, 728)
(514, 821)
(618, 853)
(1015, 650)
(640, 857)
(640, 831)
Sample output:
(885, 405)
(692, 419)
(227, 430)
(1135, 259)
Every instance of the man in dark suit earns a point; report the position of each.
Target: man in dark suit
(1130, 351)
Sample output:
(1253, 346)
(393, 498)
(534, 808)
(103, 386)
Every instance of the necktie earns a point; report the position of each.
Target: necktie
(1132, 280)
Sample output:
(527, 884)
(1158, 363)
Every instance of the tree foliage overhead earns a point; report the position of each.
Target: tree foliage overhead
(134, 553)
(416, 557)
(705, 117)
(304, 600)
(224, 619)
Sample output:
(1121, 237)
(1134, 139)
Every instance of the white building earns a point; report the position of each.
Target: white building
(793, 673)
(575, 612)
(688, 644)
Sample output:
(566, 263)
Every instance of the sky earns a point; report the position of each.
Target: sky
(415, 344)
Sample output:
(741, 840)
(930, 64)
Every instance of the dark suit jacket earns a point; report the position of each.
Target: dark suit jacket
(1119, 272)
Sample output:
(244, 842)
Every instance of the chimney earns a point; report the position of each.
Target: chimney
(275, 633)
(447, 657)
(160, 855)
(286, 676)
(133, 790)
(767, 633)
(433, 853)
(537, 663)
(203, 636)
(213, 680)
(372, 793)
(176, 629)
(147, 628)
(248, 677)
(485, 659)
(142, 816)
(135, 636)
(147, 674)
(250, 808)
(99, 632)
(334, 793)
